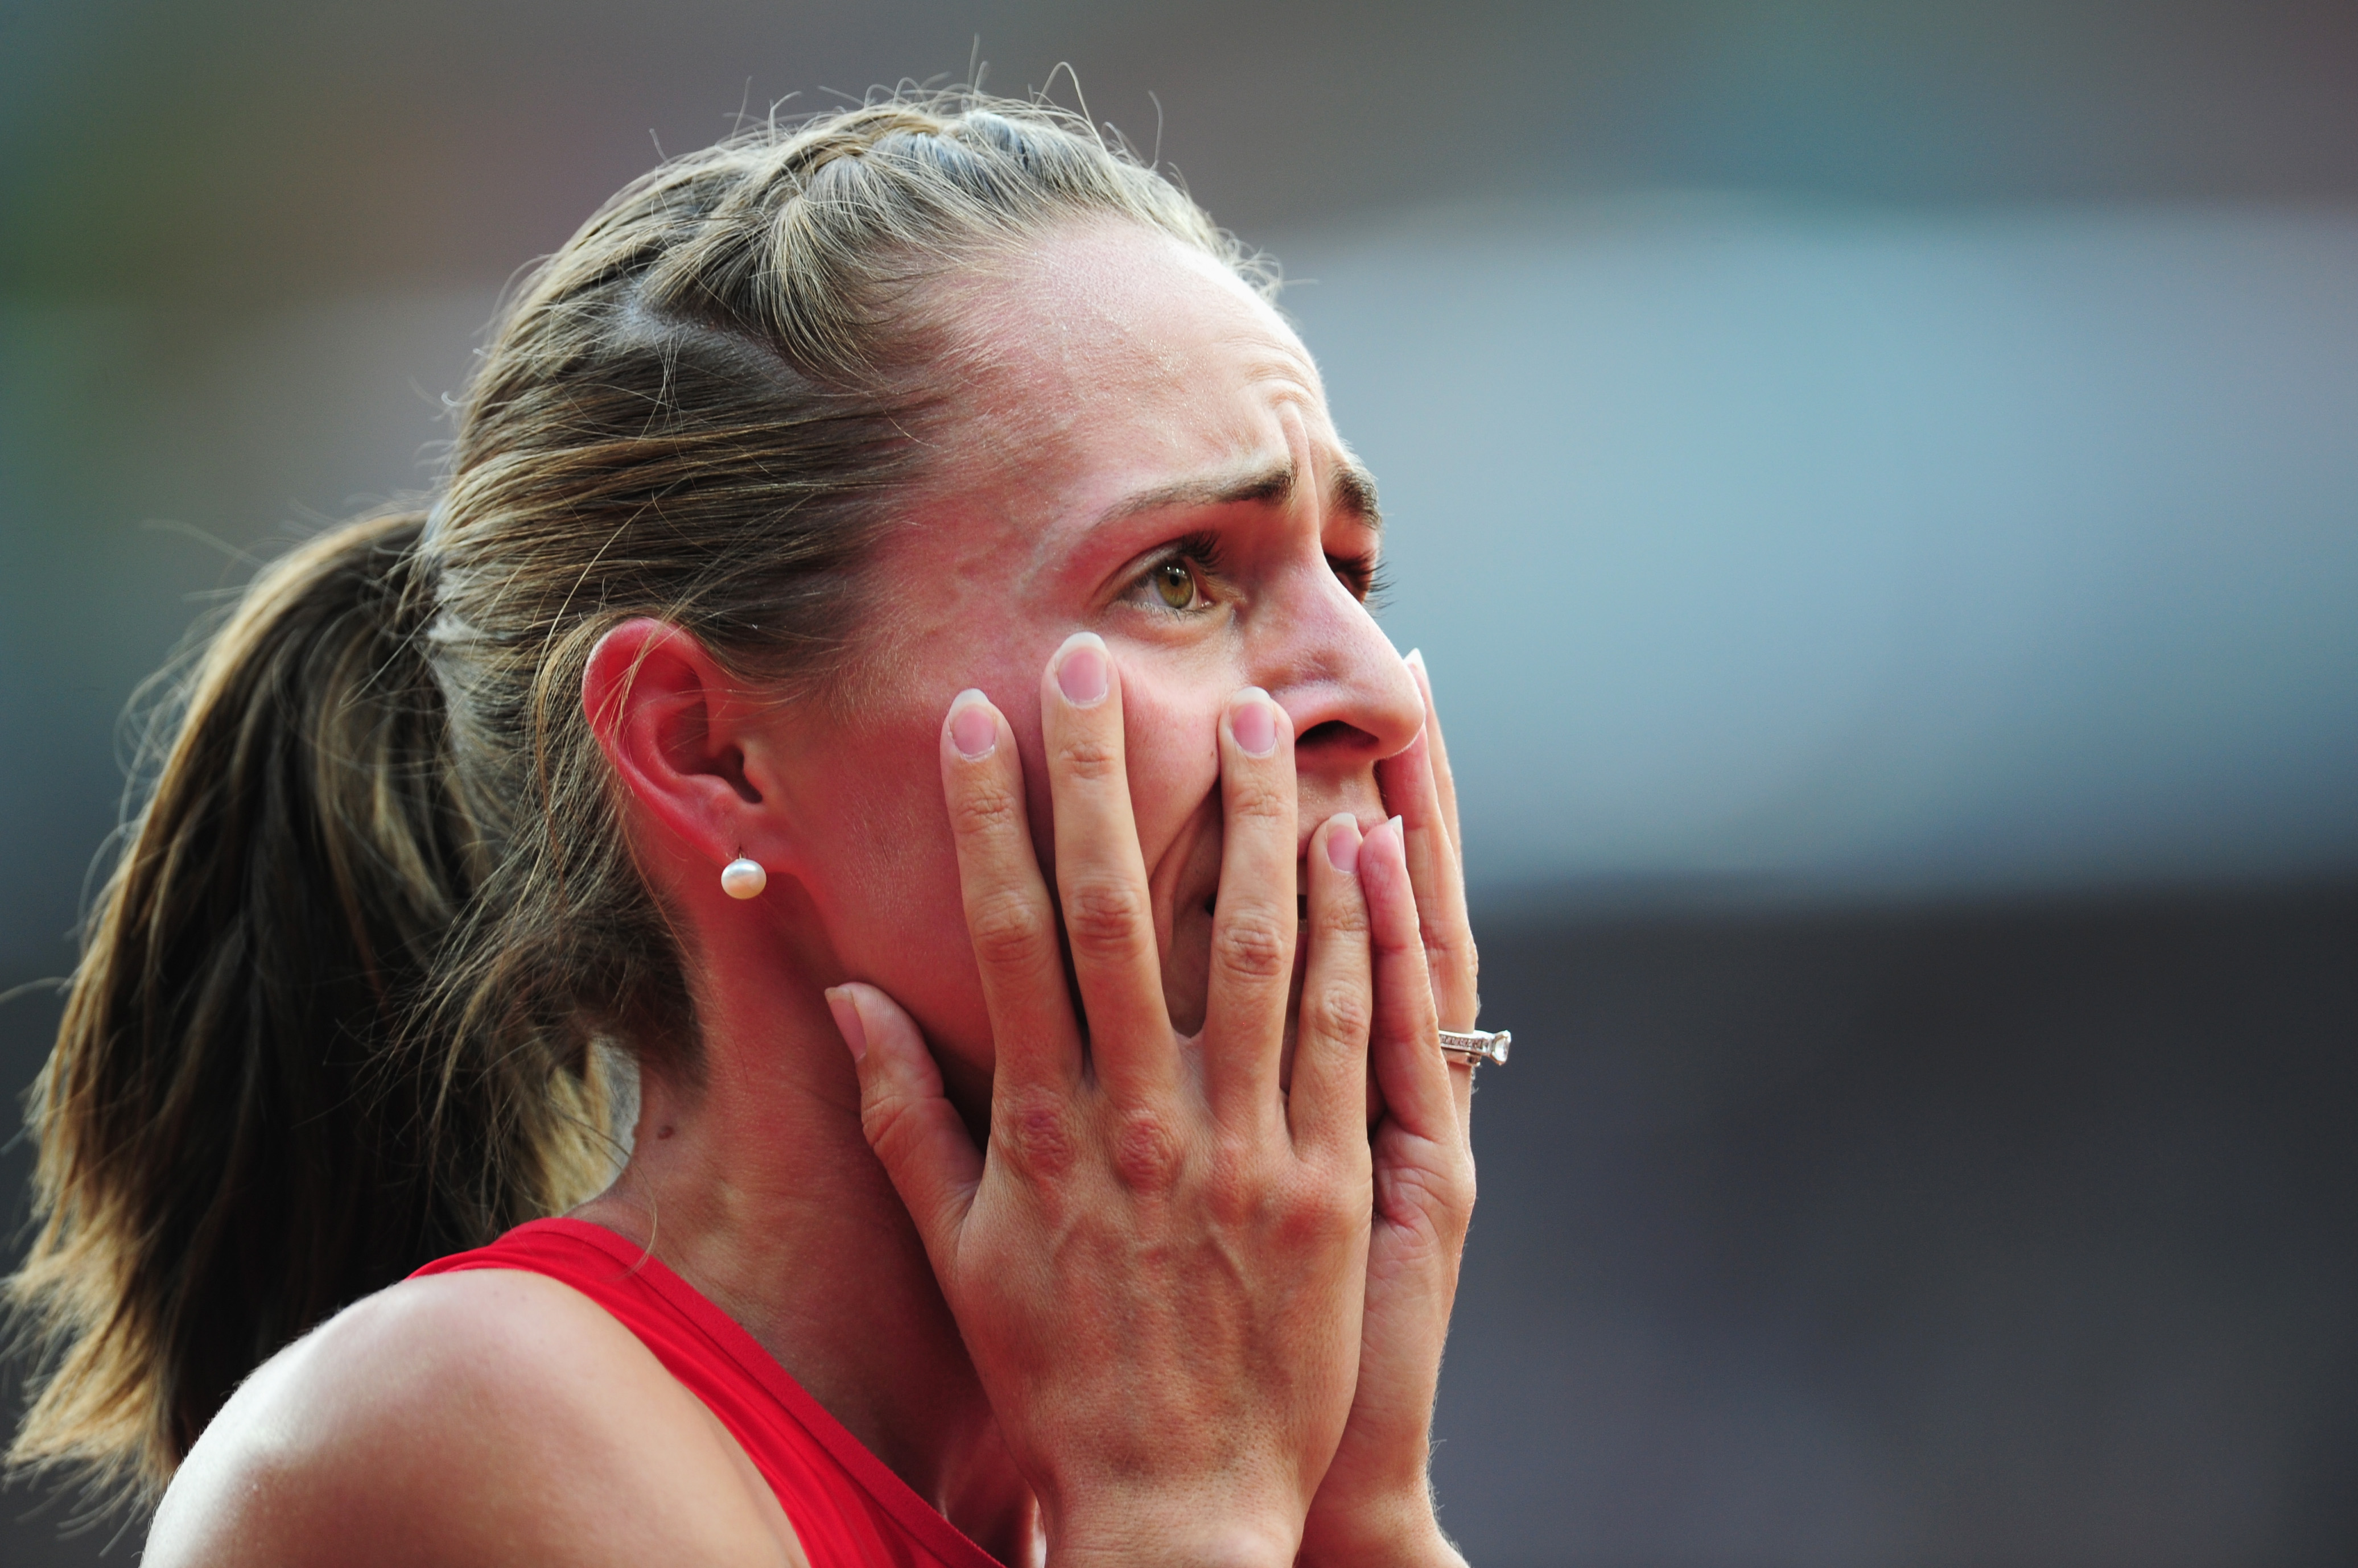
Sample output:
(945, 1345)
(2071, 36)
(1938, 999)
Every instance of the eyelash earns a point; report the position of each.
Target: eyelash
(1200, 552)
(1365, 577)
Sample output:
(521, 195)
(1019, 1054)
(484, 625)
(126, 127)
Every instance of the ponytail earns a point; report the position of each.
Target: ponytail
(240, 1128)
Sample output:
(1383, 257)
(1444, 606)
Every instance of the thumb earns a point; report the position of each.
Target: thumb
(916, 1131)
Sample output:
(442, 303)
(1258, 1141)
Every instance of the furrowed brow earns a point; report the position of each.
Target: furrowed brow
(1353, 493)
(1271, 482)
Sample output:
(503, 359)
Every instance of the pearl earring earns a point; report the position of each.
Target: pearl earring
(742, 877)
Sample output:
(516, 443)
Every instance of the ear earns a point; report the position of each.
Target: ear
(673, 725)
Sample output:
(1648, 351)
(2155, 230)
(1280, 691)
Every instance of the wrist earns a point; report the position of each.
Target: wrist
(1397, 1532)
(1150, 1545)
(1170, 1531)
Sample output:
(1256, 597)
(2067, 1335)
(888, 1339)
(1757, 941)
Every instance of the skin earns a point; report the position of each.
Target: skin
(1111, 1293)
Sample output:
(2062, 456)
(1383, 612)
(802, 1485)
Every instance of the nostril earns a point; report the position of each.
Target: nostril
(1336, 734)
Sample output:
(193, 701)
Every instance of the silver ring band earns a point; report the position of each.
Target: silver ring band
(1475, 1046)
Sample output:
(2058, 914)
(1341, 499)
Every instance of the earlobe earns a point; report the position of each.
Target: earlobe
(667, 718)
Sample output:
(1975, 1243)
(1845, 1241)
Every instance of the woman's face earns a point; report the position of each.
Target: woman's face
(1144, 452)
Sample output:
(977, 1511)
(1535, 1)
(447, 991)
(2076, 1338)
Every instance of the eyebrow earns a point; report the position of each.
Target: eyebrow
(1271, 483)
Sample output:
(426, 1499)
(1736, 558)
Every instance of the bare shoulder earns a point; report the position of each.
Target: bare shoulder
(486, 1416)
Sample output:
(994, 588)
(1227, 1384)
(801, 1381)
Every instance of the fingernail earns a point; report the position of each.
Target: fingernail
(847, 1020)
(1083, 669)
(1254, 723)
(1343, 844)
(1416, 660)
(974, 729)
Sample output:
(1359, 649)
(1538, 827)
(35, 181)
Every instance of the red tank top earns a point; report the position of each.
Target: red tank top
(846, 1507)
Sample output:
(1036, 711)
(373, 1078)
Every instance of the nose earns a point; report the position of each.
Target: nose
(1352, 701)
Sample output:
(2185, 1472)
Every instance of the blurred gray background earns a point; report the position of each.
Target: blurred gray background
(1877, 487)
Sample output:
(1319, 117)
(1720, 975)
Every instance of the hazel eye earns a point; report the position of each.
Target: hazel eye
(1174, 583)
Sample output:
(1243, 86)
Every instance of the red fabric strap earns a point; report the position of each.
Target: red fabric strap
(847, 1506)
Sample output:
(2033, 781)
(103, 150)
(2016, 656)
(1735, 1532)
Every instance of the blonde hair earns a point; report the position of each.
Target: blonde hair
(341, 1003)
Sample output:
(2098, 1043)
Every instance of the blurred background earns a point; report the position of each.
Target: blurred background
(1876, 485)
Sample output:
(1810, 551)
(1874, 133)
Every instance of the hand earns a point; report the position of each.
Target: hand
(1374, 1506)
(1158, 1261)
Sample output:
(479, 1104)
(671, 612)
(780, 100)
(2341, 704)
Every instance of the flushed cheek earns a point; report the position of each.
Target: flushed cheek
(887, 888)
(1171, 733)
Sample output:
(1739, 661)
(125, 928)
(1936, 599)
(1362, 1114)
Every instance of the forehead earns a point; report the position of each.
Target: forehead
(1109, 356)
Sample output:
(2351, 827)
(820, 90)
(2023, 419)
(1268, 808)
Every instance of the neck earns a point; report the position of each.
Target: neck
(757, 1187)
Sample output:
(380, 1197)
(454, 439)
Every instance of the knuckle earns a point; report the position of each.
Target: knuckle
(1434, 931)
(1397, 924)
(1035, 1131)
(898, 1127)
(982, 810)
(1251, 944)
(1104, 918)
(1344, 1206)
(1148, 1152)
(1090, 758)
(1393, 940)
(1340, 1013)
(1232, 1185)
(1326, 1210)
(1259, 796)
(1425, 1197)
(1008, 931)
(884, 1119)
(1345, 917)
(1450, 941)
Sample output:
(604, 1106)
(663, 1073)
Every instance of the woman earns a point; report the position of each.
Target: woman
(855, 531)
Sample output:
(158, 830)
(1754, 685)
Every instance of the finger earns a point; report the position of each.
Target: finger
(1405, 1049)
(1460, 1073)
(916, 1131)
(1445, 783)
(1008, 916)
(1412, 794)
(1100, 877)
(1330, 1051)
(1256, 916)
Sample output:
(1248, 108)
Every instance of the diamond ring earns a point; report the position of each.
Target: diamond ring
(1475, 1045)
